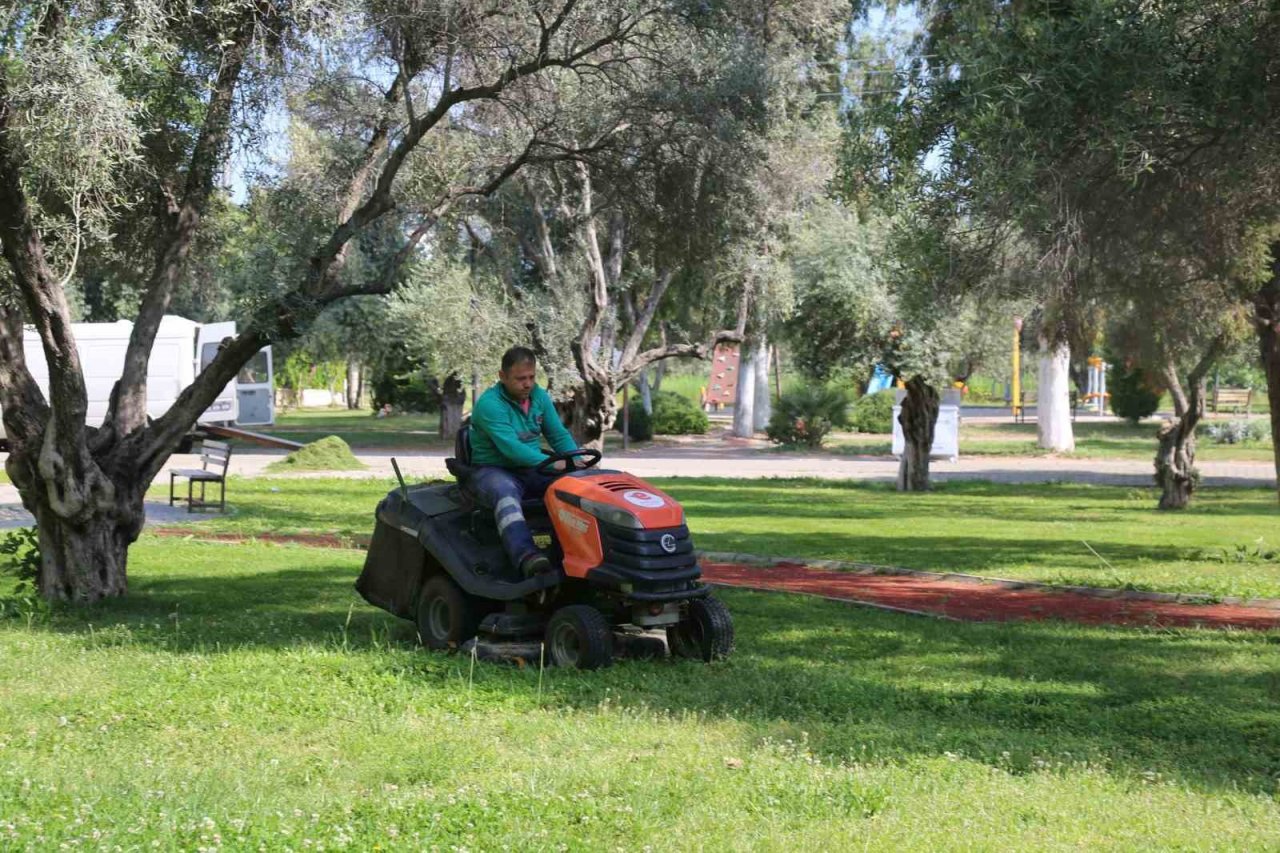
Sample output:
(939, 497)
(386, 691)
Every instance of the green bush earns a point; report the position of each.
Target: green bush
(1135, 393)
(673, 414)
(405, 387)
(639, 427)
(1239, 432)
(806, 415)
(20, 558)
(873, 412)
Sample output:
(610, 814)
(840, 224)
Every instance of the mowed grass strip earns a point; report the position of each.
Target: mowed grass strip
(242, 696)
(1104, 536)
(1094, 440)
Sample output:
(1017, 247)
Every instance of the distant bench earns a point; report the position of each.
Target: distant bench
(215, 456)
(1026, 398)
(1232, 399)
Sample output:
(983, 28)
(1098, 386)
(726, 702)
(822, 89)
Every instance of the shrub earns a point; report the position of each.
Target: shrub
(806, 415)
(673, 414)
(873, 412)
(639, 427)
(1134, 393)
(405, 386)
(20, 558)
(1238, 432)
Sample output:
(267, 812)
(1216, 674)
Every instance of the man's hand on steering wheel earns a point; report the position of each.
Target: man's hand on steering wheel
(570, 460)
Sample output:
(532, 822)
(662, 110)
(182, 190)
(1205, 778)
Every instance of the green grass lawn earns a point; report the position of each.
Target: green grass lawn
(243, 697)
(1111, 440)
(364, 432)
(360, 429)
(1032, 532)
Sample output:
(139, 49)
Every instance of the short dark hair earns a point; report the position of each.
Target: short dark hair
(518, 355)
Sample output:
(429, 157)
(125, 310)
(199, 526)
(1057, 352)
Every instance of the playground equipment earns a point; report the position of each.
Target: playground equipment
(1096, 394)
(722, 389)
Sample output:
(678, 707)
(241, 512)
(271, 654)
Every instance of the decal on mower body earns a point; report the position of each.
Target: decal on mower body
(668, 543)
(648, 500)
(573, 521)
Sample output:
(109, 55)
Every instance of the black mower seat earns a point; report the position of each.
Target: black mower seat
(460, 467)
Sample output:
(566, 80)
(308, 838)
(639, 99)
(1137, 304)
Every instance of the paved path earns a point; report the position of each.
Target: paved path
(752, 460)
(730, 458)
(13, 515)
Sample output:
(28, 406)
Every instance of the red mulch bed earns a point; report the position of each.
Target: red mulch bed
(974, 601)
(969, 601)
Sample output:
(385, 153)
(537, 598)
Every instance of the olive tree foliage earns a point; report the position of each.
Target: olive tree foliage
(843, 311)
(115, 122)
(1180, 329)
(670, 234)
(1102, 132)
(457, 324)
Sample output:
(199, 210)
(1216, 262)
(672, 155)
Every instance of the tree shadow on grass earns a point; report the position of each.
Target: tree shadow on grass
(1198, 706)
(860, 684)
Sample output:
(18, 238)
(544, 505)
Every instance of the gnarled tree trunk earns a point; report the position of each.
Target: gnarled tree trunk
(594, 407)
(452, 396)
(919, 418)
(1176, 474)
(1053, 399)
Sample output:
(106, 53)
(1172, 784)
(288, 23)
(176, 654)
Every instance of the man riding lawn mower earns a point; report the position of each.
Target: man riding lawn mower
(461, 559)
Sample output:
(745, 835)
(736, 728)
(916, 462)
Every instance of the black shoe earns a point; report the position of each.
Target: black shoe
(536, 564)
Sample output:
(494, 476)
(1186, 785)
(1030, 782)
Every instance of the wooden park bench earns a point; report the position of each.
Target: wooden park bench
(1232, 399)
(215, 456)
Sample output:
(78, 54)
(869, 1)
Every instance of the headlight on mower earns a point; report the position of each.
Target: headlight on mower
(610, 514)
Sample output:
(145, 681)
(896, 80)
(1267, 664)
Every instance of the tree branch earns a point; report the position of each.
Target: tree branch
(640, 325)
(129, 398)
(24, 407)
(47, 309)
(159, 439)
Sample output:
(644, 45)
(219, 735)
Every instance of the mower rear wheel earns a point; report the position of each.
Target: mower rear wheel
(447, 616)
(706, 633)
(579, 635)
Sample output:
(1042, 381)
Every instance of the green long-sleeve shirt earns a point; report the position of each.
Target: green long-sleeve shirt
(503, 434)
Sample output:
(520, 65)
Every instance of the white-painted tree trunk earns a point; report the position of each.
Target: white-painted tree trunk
(646, 391)
(764, 400)
(1053, 399)
(744, 405)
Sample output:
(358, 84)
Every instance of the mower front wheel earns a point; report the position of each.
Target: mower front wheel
(580, 636)
(447, 616)
(706, 632)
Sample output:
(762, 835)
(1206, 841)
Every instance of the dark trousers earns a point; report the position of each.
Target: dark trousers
(502, 489)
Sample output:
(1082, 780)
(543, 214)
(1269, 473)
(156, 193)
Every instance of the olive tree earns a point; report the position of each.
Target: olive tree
(110, 110)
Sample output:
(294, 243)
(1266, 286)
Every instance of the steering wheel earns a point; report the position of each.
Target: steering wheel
(544, 467)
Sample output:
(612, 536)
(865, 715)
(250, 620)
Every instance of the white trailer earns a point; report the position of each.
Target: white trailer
(182, 349)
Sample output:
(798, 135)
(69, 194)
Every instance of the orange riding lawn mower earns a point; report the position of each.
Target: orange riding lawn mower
(625, 579)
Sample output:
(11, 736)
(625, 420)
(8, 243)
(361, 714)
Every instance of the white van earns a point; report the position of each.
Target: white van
(182, 349)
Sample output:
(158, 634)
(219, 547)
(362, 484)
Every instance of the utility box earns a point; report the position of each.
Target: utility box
(946, 433)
